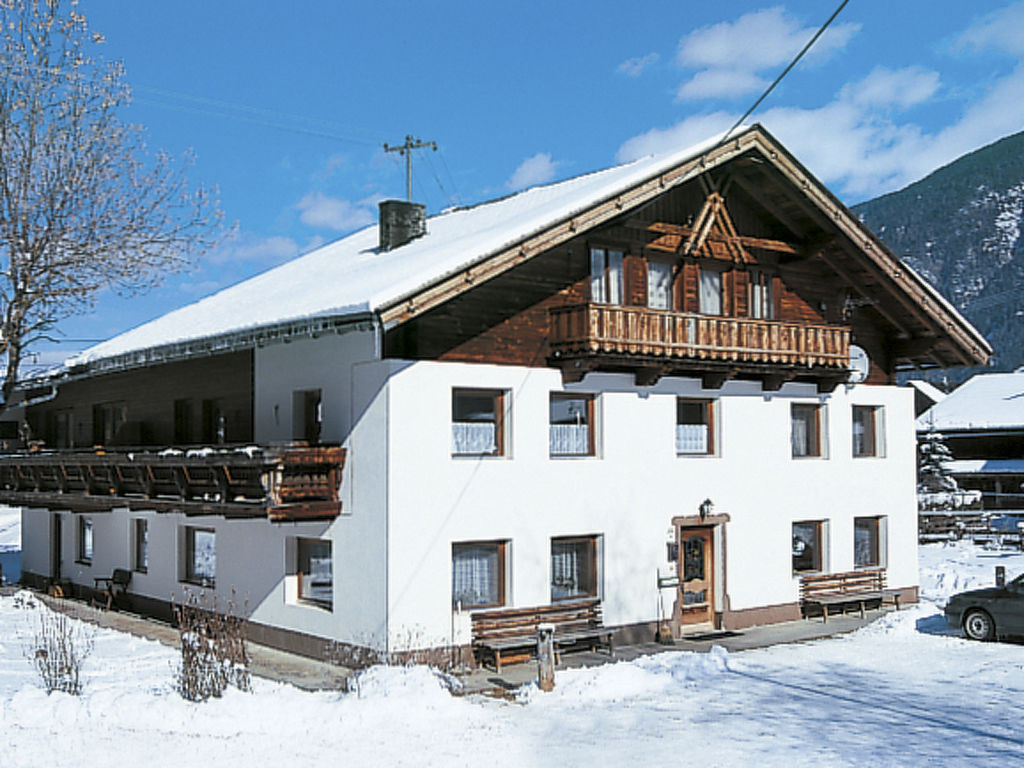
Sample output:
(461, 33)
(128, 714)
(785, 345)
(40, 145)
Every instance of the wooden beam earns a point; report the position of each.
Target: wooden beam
(674, 230)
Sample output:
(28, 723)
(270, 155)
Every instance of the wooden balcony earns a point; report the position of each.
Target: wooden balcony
(654, 343)
(279, 483)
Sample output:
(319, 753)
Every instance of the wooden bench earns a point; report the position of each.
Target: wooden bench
(510, 634)
(113, 589)
(851, 588)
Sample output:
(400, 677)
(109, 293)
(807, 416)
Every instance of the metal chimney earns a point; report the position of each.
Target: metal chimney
(400, 222)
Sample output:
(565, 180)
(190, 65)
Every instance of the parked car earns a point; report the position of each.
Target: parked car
(988, 613)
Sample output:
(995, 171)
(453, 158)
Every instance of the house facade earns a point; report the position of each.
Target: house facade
(669, 386)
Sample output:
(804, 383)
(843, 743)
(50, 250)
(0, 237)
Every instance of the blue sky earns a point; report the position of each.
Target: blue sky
(286, 106)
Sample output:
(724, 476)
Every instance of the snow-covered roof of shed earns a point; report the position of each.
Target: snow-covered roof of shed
(927, 389)
(986, 401)
(352, 277)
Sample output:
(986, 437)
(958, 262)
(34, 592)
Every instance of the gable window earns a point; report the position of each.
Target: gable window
(710, 290)
(605, 276)
(200, 556)
(809, 539)
(868, 538)
(574, 568)
(479, 574)
(867, 430)
(571, 419)
(806, 430)
(140, 538)
(316, 572)
(762, 300)
(85, 540)
(659, 285)
(478, 422)
(695, 427)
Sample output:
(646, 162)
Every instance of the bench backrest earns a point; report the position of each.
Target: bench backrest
(508, 622)
(848, 582)
(120, 577)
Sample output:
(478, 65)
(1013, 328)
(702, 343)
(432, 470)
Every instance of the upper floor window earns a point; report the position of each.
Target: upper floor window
(307, 415)
(695, 427)
(605, 276)
(806, 429)
(710, 290)
(571, 420)
(107, 420)
(762, 300)
(659, 285)
(867, 430)
(478, 422)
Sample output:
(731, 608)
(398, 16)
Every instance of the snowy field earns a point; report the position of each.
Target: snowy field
(902, 691)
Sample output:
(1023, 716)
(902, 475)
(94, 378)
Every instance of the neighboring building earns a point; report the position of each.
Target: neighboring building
(926, 395)
(559, 394)
(982, 422)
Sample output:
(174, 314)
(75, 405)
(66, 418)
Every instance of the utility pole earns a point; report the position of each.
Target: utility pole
(406, 149)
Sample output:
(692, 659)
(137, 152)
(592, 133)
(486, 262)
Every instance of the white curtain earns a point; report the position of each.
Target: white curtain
(474, 438)
(659, 285)
(605, 276)
(475, 575)
(570, 439)
(801, 435)
(691, 438)
(710, 292)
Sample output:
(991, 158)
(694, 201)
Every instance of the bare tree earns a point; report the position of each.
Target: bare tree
(82, 206)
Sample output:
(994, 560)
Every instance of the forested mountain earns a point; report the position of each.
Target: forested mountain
(960, 228)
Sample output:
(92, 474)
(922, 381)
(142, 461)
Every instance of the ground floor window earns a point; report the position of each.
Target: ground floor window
(141, 541)
(574, 567)
(868, 537)
(316, 572)
(809, 540)
(200, 556)
(478, 574)
(85, 539)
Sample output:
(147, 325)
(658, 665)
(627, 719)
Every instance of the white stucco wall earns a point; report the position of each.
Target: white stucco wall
(631, 490)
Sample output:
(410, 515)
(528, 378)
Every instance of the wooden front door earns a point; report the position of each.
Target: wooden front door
(696, 577)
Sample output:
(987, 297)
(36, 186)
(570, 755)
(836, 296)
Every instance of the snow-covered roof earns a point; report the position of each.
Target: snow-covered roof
(986, 401)
(986, 466)
(352, 277)
(929, 390)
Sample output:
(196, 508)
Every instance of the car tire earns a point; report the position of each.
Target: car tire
(978, 625)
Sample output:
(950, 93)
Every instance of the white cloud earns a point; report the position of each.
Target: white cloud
(1002, 30)
(634, 67)
(263, 251)
(900, 88)
(538, 169)
(729, 55)
(686, 133)
(319, 210)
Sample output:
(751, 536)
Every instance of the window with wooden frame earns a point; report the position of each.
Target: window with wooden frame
(711, 289)
(107, 420)
(695, 427)
(761, 298)
(200, 556)
(478, 422)
(606, 275)
(809, 538)
(868, 421)
(806, 430)
(307, 415)
(479, 575)
(140, 543)
(659, 285)
(571, 425)
(574, 567)
(85, 540)
(315, 572)
(869, 541)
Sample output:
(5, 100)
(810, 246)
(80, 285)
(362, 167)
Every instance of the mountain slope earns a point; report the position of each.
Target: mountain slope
(960, 228)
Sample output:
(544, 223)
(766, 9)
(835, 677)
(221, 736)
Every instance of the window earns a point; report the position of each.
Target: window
(809, 546)
(695, 427)
(605, 276)
(806, 430)
(479, 574)
(107, 420)
(307, 415)
(316, 572)
(659, 285)
(200, 556)
(867, 430)
(215, 422)
(574, 568)
(710, 291)
(85, 539)
(869, 541)
(182, 422)
(141, 541)
(571, 425)
(762, 300)
(478, 422)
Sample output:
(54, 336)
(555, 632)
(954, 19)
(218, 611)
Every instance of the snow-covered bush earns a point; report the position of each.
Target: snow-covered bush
(57, 647)
(213, 652)
(937, 489)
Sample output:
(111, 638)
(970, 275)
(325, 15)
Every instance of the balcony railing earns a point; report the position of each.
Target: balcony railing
(603, 329)
(281, 483)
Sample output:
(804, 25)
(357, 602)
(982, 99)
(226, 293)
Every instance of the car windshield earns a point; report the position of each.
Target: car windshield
(1017, 582)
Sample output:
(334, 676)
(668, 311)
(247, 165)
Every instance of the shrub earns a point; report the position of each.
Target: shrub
(213, 651)
(57, 648)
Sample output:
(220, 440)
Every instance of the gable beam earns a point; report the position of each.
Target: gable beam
(664, 228)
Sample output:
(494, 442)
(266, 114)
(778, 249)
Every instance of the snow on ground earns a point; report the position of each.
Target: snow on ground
(903, 691)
